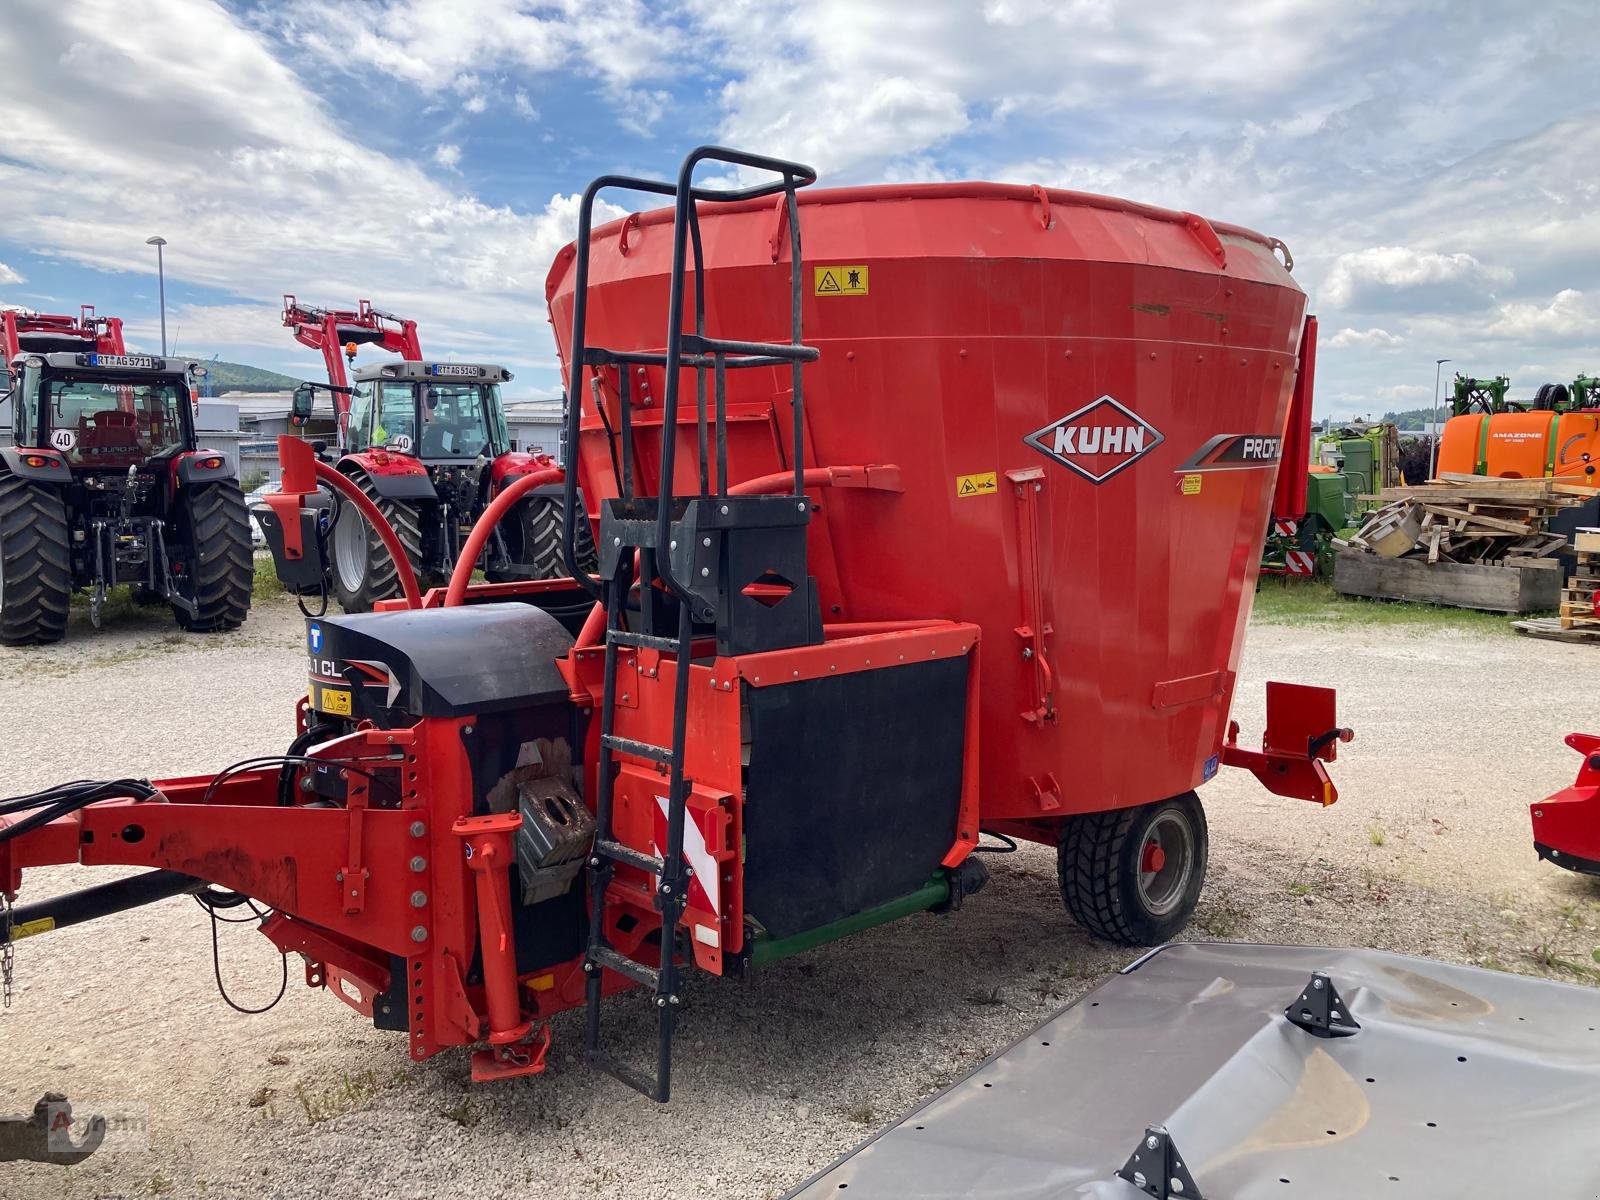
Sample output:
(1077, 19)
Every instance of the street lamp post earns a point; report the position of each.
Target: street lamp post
(1433, 457)
(161, 283)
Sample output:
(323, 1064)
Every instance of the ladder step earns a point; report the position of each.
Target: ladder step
(628, 855)
(660, 754)
(637, 1080)
(644, 641)
(612, 960)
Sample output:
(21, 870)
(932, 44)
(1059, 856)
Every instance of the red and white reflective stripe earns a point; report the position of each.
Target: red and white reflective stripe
(705, 885)
(1300, 562)
(1283, 528)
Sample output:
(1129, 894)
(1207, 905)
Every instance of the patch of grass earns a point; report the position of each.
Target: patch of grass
(1376, 835)
(1299, 888)
(266, 585)
(464, 1113)
(1222, 917)
(862, 1114)
(343, 1095)
(984, 999)
(1314, 602)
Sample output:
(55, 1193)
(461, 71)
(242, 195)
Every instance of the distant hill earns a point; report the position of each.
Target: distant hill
(238, 377)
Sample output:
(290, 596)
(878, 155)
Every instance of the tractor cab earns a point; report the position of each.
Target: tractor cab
(104, 413)
(433, 411)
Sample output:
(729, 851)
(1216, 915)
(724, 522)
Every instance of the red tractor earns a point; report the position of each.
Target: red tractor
(106, 485)
(427, 442)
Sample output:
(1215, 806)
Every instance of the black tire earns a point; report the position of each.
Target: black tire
(35, 562)
(360, 580)
(532, 536)
(1099, 862)
(220, 571)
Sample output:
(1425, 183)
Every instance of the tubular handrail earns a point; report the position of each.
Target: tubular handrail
(683, 349)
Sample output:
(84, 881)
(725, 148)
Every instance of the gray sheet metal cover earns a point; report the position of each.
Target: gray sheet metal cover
(1462, 1082)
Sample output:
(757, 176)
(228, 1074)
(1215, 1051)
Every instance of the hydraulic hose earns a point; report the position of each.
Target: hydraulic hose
(484, 526)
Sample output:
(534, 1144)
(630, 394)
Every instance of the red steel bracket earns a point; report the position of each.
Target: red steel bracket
(1302, 734)
(1027, 484)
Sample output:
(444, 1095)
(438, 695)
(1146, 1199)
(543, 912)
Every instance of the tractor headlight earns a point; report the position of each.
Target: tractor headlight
(34, 361)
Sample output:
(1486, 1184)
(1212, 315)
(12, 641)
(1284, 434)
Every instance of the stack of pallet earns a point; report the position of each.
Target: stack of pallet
(1579, 621)
(1581, 596)
(1467, 540)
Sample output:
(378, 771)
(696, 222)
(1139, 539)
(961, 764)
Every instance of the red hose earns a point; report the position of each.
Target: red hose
(481, 529)
(782, 481)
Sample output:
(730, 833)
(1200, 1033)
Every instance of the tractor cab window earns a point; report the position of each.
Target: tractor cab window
(456, 420)
(395, 426)
(113, 423)
(358, 431)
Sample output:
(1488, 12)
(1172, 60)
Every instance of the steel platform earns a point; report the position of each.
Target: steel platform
(1460, 1082)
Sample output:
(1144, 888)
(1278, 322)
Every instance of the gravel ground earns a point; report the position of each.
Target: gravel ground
(1427, 852)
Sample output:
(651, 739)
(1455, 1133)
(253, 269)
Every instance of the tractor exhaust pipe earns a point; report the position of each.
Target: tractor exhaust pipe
(74, 908)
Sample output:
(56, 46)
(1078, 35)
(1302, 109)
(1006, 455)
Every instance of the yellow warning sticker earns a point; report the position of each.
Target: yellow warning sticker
(335, 701)
(24, 929)
(1191, 484)
(982, 484)
(840, 281)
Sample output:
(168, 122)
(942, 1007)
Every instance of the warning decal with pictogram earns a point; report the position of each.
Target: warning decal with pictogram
(840, 281)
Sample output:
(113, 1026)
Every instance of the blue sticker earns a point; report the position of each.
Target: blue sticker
(314, 640)
(1212, 764)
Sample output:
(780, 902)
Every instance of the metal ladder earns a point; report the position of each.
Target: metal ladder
(674, 542)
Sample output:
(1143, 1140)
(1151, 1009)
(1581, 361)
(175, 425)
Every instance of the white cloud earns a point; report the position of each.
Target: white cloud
(10, 275)
(432, 46)
(201, 133)
(524, 106)
(1364, 339)
(1382, 278)
(475, 104)
(1571, 316)
(447, 156)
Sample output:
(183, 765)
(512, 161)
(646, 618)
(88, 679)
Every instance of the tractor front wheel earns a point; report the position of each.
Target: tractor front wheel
(35, 563)
(221, 564)
(1133, 875)
(363, 570)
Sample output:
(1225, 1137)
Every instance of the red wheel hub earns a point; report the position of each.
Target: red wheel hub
(1153, 858)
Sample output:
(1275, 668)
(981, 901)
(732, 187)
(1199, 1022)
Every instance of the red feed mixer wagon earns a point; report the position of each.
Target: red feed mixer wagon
(955, 532)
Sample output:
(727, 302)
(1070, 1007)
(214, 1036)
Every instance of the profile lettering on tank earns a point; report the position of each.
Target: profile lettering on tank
(1097, 441)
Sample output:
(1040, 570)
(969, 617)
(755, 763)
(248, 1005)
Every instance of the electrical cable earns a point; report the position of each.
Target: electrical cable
(67, 798)
(268, 760)
(1010, 846)
(323, 533)
(213, 899)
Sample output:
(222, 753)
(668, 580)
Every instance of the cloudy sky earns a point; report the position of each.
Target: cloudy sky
(1432, 165)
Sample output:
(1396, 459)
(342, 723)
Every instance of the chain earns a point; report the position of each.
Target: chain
(6, 951)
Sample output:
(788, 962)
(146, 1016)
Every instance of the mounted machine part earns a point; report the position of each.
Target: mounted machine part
(1566, 825)
(779, 715)
(1461, 1082)
(106, 485)
(1557, 436)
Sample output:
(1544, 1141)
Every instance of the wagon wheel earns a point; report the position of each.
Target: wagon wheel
(1134, 875)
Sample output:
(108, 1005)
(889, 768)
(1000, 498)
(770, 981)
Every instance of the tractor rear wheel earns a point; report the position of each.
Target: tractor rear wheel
(363, 570)
(221, 568)
(1133, 875)
(532, 536)
(35, 562)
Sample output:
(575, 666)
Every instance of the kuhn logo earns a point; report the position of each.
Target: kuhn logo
(1098, 440)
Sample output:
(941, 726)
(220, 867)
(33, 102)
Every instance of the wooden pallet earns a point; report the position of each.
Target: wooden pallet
(1578, 597)
(1550, 629)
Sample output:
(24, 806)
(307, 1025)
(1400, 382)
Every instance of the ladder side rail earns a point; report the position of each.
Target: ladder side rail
(580, 361)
